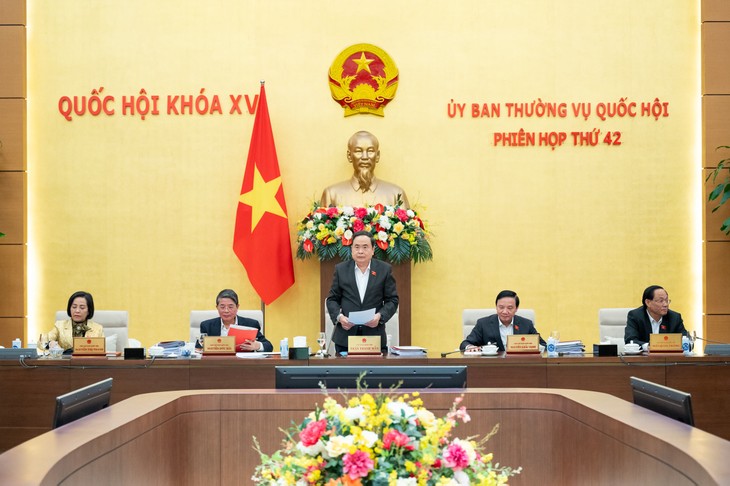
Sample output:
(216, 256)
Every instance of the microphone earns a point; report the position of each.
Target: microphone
(443, 355)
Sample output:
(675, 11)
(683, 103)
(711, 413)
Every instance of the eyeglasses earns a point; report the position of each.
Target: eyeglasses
(662, 301)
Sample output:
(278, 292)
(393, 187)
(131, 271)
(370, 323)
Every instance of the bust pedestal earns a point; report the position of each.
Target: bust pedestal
(402, 275)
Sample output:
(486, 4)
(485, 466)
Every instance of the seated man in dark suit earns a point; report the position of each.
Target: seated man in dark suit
(227, 305)
(653, 317)
(360, 284)
(495, 328)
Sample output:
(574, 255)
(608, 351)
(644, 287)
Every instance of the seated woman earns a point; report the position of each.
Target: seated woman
(80, 309)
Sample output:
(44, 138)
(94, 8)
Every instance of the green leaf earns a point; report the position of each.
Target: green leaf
(716, 192)
(726, 226)
(725, 194)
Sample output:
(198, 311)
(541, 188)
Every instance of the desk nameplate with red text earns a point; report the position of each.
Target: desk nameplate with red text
(363, 346)
(523, 343)
(219, 346)
(665, 343)
(89, 346)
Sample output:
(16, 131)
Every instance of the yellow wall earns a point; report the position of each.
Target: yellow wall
(141, 213)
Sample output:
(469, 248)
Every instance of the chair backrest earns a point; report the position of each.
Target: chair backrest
(612, 324)
(392, 328)
(198, 316)
(469, 317)
(115, 324)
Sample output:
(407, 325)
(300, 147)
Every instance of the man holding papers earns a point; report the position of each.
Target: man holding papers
(363, 296)
(495, 328)
(227, 305)
(653, 317)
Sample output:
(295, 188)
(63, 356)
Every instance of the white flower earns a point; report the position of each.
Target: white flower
(355, 413)
(402, 409)
(390, 212)
(348, 234)
(348, 211)
(369, 438)
(317, 215)
(426, 417)
(313, 450)
(382, 236)
(461, 478)
(338, 445)
(406, 482)
(410, 213)
(384, 222)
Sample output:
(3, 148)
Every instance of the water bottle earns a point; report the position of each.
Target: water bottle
(284, 348)
(17, 344)
(685, 345)
(552, 349)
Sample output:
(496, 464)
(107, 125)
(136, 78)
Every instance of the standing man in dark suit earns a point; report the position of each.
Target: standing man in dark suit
(495, 328)
(227, 305)
(361, 284)
(653, 317)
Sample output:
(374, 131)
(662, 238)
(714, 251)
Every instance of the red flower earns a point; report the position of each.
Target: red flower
(420, 223)
(395, 438)
(321, 210)
(346, 242)
(312, 432)
(383, 245)
(401, 214)
(358, 225)
(361, 212)
(379, 208)
(308, 246)
(332, 212)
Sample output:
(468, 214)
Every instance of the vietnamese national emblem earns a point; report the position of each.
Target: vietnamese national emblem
(363, 79)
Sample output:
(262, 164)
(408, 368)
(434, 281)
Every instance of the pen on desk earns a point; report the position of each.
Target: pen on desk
(443, 355)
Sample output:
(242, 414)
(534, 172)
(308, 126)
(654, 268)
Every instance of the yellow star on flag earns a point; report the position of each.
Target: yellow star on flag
(262, 198)
(363, 63)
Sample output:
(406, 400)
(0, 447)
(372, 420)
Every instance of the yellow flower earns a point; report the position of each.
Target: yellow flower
(398, 228)
(410, 466)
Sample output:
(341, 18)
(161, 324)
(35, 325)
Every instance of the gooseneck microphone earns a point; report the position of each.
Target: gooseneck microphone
(443, 355)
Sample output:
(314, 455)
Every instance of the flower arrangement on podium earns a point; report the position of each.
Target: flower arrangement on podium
(380, 439)
(400, 234)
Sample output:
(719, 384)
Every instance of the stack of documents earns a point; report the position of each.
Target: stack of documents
(570, 347)
(408, 350)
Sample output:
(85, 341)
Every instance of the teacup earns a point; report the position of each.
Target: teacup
(56, 353)
(489, 349)
(632, 348)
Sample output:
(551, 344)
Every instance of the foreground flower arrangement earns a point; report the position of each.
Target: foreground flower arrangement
(400, 233)
(380, 439)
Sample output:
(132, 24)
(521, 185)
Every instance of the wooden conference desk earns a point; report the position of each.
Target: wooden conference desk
(205, 437)
(28, 394)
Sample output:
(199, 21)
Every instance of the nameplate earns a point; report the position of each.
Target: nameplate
(363, 345)
(523, 343)
(219, 345)
(89, 346)
(665, 343)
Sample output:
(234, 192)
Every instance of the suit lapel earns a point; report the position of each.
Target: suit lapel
(371, 279)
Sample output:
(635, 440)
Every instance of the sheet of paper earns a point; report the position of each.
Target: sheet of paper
(251, 355)
(361, 317)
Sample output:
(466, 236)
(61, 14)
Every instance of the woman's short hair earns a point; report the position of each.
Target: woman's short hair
(89, 302)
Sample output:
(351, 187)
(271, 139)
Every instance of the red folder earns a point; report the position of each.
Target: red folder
(242, 333)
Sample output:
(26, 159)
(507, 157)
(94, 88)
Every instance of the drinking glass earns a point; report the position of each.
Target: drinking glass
(201, 339)
(555, 335)
(43, 344)
(321, 340)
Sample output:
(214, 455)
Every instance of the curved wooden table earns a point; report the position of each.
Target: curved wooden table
(205, 437)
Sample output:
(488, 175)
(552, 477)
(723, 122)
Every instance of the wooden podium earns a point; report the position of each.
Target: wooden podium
(402, 274)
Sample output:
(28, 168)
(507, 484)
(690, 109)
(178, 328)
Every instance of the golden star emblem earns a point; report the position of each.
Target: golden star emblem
(262, 198)
(363, 63)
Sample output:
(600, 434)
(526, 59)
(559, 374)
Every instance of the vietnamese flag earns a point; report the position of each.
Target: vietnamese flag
(261, 237)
